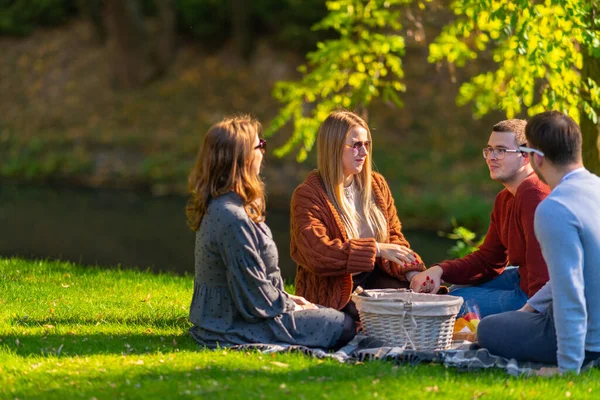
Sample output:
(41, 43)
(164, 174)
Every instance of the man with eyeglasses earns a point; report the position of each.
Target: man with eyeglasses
(561, 323)
(510, 239)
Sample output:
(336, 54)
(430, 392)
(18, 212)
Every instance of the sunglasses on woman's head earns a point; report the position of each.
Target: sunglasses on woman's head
(262, 145)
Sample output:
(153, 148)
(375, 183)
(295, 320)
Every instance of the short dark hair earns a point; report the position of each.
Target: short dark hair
(516, 126)
(557, 135)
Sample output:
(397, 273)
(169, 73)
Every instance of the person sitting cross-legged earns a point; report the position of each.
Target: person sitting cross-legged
(510, 239)
(561, 323)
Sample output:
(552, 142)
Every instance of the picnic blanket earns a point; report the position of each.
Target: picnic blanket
(464, 356)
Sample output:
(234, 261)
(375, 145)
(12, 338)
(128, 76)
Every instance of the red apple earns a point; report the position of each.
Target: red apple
(470, 316)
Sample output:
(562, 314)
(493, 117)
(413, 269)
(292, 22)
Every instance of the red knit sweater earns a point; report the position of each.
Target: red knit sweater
(510, 239)
(325, 256)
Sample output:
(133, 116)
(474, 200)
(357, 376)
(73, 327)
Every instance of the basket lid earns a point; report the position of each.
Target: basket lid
(395, 301)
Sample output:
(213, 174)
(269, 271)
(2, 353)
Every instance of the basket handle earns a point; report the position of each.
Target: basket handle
(412, 318)
(359, 291)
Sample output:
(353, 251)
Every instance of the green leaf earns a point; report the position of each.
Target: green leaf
(362, 64)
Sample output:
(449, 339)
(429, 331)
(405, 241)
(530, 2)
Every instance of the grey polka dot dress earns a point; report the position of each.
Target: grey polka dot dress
(238, 290)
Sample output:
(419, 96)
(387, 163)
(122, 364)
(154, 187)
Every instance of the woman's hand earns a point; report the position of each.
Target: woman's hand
(428, 281)
(302, 303)
(309, 306)
(397, 253)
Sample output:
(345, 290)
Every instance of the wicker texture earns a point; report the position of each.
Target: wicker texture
(410, 320)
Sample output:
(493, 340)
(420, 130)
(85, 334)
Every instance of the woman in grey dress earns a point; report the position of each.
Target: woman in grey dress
(238, 290)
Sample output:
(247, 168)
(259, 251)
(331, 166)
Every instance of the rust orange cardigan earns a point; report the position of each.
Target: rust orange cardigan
(325, 256)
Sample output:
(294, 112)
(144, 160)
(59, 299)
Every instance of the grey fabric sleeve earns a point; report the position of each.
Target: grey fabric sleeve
(253, 293)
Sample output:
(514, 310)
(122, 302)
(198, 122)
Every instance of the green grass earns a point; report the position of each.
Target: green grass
(69, 331)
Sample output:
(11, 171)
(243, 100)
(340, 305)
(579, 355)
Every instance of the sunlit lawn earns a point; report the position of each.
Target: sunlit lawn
(69, 331)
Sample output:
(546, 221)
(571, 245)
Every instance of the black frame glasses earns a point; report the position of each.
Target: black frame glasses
(262, 145)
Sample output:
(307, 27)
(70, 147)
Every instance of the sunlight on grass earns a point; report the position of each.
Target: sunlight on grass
(69, 331)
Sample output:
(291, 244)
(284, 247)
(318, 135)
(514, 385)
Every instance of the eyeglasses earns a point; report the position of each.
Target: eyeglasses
(530, 150)
(356, 146)
(262, 145)
(497, 153)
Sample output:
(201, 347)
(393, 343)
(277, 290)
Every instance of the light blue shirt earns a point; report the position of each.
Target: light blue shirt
(543, 298)
(567, 226)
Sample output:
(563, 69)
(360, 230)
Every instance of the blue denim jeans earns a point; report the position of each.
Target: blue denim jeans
(501, 294)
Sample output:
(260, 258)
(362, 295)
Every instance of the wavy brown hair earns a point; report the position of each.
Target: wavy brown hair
(223, 165)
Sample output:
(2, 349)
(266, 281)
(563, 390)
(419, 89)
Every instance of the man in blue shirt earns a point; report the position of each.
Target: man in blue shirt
(561, 323)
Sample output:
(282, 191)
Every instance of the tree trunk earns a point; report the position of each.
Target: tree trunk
(589, 130)
(362, 112)
(92, 11)
(242, 27)
(132, 63)
(166, 36)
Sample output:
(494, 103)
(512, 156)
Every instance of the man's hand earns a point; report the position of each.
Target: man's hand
(527, 308)
(427, 281)
(397, 253)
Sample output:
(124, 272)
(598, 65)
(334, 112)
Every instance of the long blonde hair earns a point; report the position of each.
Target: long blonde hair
(223, 165)
(330, 147)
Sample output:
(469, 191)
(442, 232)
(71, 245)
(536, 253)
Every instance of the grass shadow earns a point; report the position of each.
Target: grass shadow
(150, 321)
(73, 344)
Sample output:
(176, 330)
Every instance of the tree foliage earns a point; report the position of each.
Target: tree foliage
(20, 17)
(363, 63)
(540, 48)
(547, 56)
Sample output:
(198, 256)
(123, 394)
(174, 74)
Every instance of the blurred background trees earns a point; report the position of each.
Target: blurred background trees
(21, 17)
(135, 59)
(117, 94)
(108, 93)
(143, 32)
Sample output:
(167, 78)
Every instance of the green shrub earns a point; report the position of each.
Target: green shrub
(204, 19)
(291, 21)
(466, 241)
(288, 21)
(20, 17)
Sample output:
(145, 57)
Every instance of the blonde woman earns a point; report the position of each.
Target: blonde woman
(344, 227)
(238, 290)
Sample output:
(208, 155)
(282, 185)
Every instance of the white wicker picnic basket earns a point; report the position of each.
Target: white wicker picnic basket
(405, 319)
